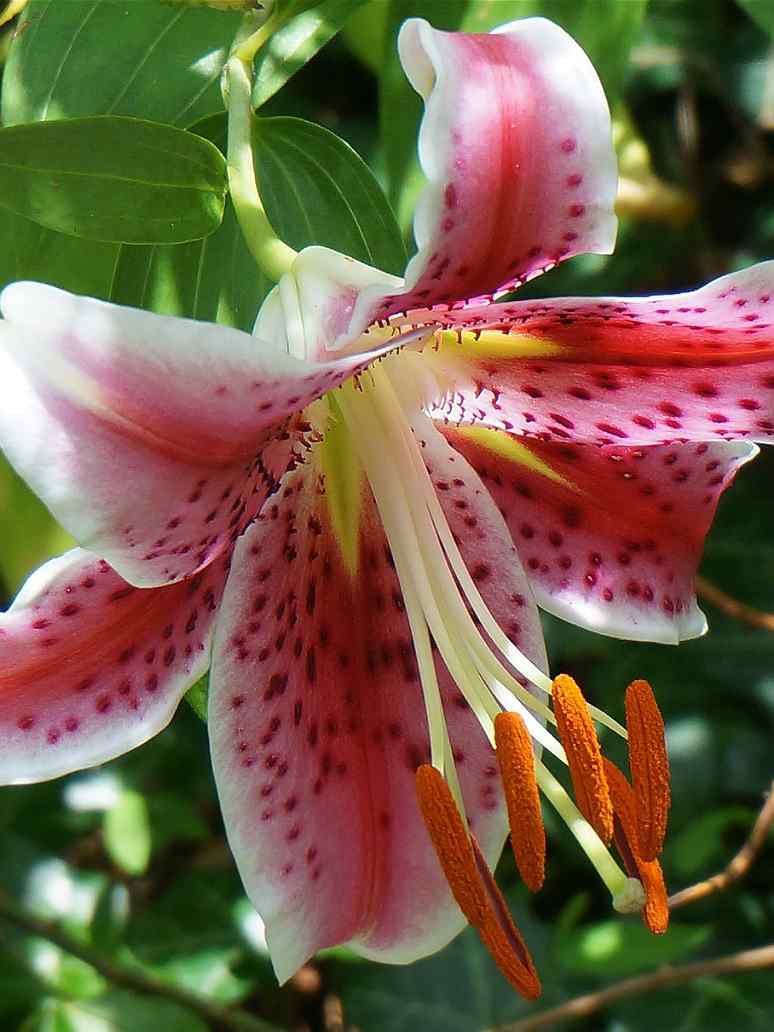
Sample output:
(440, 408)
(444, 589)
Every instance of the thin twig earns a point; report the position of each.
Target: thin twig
(733, 607)
(739, 865)
(590, 1003)
(226, 1018)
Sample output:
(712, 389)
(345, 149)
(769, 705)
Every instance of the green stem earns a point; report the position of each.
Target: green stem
(273, 256)
(249, 47)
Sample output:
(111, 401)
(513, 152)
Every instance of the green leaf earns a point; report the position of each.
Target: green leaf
(124, 52)
(618, 947)
(29, 532)
(30, 251)
(113, 179)
(196, 697)
(365, 32)
(110, 917)
(701, 842)
(761, 11)
(316, 191)
(307, 27)
(127, 834)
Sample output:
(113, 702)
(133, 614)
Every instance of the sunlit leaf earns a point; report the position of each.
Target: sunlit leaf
(113, 179)
(88, 57)
(308, 25)
(126, 832)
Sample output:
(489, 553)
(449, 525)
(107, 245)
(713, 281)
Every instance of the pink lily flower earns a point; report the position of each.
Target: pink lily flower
(350, 515)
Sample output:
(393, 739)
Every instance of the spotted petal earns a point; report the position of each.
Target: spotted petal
(91, 667)
(696, 366)
(516, 147)
(318, 726)
(610, 537)
(152, 439)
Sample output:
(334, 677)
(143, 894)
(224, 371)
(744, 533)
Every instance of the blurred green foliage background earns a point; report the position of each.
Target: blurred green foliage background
(130, 859)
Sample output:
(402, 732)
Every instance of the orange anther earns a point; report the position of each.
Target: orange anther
(502, 938)
(584, 756)
(655, 913)
(517, 771)
(451, 842)
(472, 883)
(649, 765)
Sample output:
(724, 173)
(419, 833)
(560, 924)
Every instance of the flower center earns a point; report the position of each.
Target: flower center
(501, 685)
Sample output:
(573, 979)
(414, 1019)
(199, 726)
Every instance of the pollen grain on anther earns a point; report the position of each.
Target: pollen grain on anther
(472, 883)
(649, 766)
(503, 939)
(450, 840)
(517, 771)
(584, 756)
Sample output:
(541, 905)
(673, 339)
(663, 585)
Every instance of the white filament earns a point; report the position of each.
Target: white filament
(438, 591)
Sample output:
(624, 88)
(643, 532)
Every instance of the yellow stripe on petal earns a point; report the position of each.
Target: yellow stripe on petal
(343, 486)
(498, 345)
(508, 447)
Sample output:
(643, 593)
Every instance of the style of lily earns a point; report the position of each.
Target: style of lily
(349, 516)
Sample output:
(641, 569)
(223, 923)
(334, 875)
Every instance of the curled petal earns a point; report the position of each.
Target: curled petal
(609, 537)
(516, 146)
(153, 440)
(697, 366)
(91, 667)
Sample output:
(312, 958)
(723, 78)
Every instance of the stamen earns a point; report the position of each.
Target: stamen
(451, 843)
(502, 938)
(472, 883)
(517, 770)
(649, 765)
(655, 913)
(584, 756)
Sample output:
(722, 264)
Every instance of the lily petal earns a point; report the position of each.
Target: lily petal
(152, 439)
(696, 366)
(519, 159)
(91, 667)
(521, 175)
(318, 726)
(610, 537)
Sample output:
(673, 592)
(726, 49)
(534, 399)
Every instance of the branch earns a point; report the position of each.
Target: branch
(733, 607)
(583, 1006)
(226, 1018)
(739, 865)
